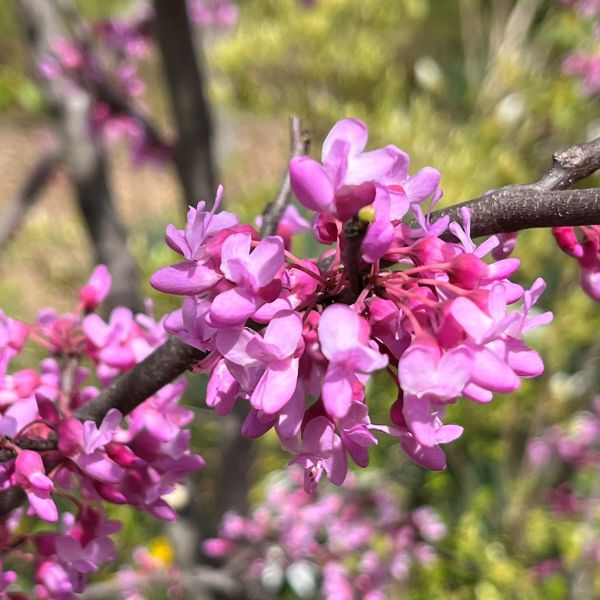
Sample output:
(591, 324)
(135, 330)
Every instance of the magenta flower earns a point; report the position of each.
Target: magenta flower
(354, 431)
(83, 444)
(30, 475)
(345, 182)
(92, 294)
(343, 336)
(251, 271)
(88, 558)
(320, 451)
(197, 272)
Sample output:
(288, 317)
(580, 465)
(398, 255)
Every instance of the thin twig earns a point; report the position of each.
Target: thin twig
(300, 144)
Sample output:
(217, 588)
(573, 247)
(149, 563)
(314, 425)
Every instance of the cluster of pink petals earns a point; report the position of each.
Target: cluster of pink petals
(331, 537)
(299, 339)
(48, 453)
(118, 46)
(585, 249)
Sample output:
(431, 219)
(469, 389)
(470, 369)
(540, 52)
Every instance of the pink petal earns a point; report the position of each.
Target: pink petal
(471, 318)
(290, 416)
(311, 184)
(336, 466)
(96, 330)
(233, 307)
(44, 507)
(318, 436)
(430, 458)
(492, 373)
(349, 199)
(285, 331)
(98, 466)
(523, 360)
(418, 417)
(276, 386)
(233, 343)
(372, 166)
(254, 427)
(416, 367)
(337, 391)
(351, 131)
(28, 463)
(339, 328)
(185, 278)
(234, 256)
(265, 261)
(448, 433)
(422, 184)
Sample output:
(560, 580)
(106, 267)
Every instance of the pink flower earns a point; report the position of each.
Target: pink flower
(88, 558)
(320, 450)
(343, 337)
(31, 476)
(252, 272)
(345, 182)
(83, 444)
(96, 289)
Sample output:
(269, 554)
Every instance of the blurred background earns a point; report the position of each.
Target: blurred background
(483, 90)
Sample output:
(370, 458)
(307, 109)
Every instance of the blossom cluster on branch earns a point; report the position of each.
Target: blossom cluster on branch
(298, 339)
(355, 542)
(48, 453)
(103, 59)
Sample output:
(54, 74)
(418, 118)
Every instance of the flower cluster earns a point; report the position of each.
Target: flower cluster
(357, 542)
(48, 452)
(105, 63)
(298, 339)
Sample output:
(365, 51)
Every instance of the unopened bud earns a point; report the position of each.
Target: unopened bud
(367, 213)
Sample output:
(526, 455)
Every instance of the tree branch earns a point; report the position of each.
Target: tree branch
(300, 144)
(509, 210)
(542, 203)
(28, 194)
(129, 390)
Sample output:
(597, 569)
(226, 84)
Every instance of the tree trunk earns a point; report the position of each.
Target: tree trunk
(186, 82)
